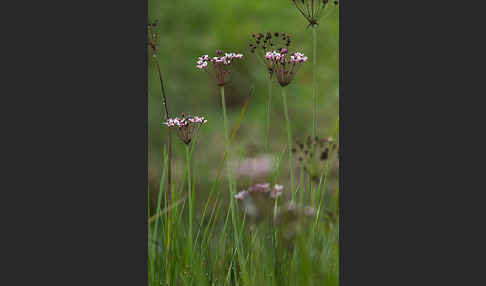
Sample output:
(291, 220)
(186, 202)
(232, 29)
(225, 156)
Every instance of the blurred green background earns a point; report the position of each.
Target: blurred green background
(191, 28)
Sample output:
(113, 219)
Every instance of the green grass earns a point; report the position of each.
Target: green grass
(261, 254)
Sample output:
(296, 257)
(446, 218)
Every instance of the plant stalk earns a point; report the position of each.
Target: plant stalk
(190, 195)
(169, 139)
(228, 164)
(289, 141)
(315, 102)
(269, 103)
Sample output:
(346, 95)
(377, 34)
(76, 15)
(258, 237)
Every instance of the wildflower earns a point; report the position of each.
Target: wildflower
(263, 190)
(276, 192)
(254, 167)
(312, 154)
(258, 201)
(261, 44)
(241, 195)
(219, 67)
(186, 127)
(284, 64)
(312, 10)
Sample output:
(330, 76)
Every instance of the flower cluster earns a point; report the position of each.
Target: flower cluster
(312, 154)
(284, 64)
(269, 41)
(218, 66)
(294, 58)
(261, 189)
(186, 127)
(258, 201)
(313, 10)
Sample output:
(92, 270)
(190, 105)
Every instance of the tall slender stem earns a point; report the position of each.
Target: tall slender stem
(228, 164)
(289, 138)
(314, 61)
(190, 195)
(169, 139)
(269, 103)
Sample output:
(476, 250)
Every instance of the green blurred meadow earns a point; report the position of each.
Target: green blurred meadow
(192, 28)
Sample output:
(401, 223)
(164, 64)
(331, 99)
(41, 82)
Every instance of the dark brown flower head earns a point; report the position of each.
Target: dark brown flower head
(218, 67)
(312, 154)
(186, 127)
(263, 43)
(314, 10)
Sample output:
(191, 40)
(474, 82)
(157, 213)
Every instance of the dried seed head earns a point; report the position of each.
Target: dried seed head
(315, 10)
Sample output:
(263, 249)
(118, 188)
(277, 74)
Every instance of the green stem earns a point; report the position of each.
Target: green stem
(289, 138)
(228, 164)
(267, 137)
(314, 61)
(190, 195)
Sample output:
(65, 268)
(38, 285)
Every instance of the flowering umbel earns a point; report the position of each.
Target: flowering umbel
(313, 10)
(218, 67)
(263, 189)
(259, 200)
(186, 127)
(284, 64)
(263, 43)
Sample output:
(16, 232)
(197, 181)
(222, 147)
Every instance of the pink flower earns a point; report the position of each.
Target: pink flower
(219, 66)
(276, 192)
(283, 66)
(185, 127)
(241, 195)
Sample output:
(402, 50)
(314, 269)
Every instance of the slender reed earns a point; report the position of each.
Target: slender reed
(289, 142)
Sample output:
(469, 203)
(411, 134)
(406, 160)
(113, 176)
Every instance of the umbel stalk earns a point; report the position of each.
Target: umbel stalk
(315, 94)
(289, 141)
(269, 104)
(228, 164)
